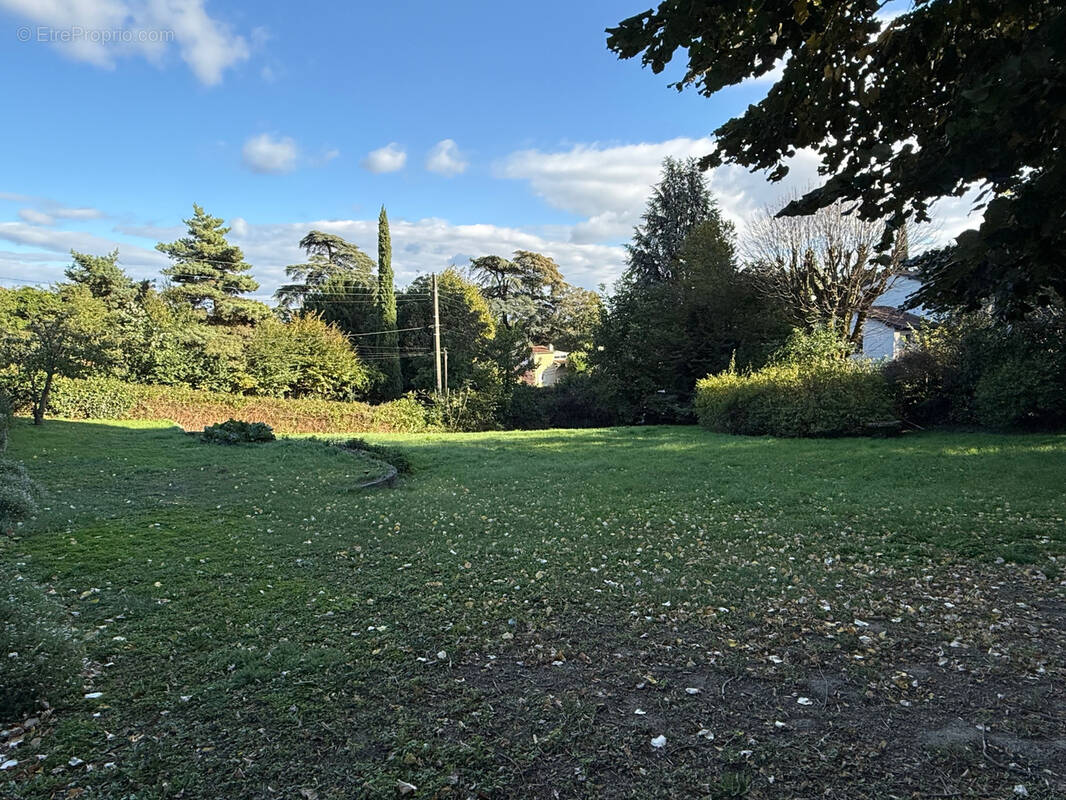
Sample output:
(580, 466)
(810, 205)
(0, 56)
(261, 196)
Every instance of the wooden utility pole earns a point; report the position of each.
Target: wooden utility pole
(445, 371)
(436, 330)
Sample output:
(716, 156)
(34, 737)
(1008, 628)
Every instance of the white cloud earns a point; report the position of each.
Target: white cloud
(269, 154)
(422, 246)
(389, 158)
(103, 31)
(609, 185)
(54, 245)
(445, 159)
(35, 217)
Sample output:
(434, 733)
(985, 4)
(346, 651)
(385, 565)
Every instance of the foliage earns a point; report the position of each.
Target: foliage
(210, 273)
(234, 431)
(19, 494)
(329, 257)
(971, 370)
(528, 296)
(679, 203)
(103, 277)
(390, 455)
(938, 99)
(388, 343)
(42, 659)
(819, 345)
(824, 267)
(109, 398)
(666, 327)
(66, 333)
(466, 329)
(304, 357)
(820, 399)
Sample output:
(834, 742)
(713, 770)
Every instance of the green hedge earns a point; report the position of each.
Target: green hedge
(828, 399)
(109, 398)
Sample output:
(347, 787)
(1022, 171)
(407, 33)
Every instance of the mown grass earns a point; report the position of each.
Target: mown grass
(259, 628)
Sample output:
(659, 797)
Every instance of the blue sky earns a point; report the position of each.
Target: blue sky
(482, 126)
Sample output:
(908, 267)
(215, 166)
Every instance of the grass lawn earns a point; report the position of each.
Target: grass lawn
(528, 612)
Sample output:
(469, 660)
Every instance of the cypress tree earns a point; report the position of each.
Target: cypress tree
(390, 364)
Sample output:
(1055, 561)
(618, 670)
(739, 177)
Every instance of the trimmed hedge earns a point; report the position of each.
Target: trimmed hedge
(192, 409)
(827, 399)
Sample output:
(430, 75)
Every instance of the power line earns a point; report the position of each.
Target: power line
(396, 330)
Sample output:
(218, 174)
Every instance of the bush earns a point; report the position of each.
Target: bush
(974, 372)
(235, 431)
(92, 398)
(40, 659)
(18, 494)
(824, 399)
(193, 409)
(390, 455)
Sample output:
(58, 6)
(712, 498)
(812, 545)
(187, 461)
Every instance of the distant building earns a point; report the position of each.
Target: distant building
(888, 326)
(546, 366)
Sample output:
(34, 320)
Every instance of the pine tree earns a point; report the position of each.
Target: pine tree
(210, 273)
(679, 202)
(390, 364)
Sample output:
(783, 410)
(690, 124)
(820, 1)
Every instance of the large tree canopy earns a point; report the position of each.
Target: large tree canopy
(947, 96)
(329, 257)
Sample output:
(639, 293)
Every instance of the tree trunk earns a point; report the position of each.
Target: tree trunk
(42, 401)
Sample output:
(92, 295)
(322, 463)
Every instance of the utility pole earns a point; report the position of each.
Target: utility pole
(445, 371)
(436, 329)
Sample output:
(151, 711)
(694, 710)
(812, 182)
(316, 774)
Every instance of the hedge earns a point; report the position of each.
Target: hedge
(193, 409)
(831, 399)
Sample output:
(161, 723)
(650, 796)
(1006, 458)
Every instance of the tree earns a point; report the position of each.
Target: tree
(389, 343)
(103, 277)
(681, 309)
(520, 289)
(467, 329)
(304, 357)
(329, 257)
(679, 202)
(575, 314)
(210, 273)
(824, 266)
(942, 98)
(58, 333)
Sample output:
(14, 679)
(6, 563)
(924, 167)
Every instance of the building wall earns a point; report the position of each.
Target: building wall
(880, 342)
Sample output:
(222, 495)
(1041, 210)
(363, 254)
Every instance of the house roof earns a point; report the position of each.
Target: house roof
(540, 348)
(895, 318)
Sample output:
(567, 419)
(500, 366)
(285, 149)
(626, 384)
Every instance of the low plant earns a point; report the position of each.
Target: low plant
(234, 431)
(823, 399)
(40, 657)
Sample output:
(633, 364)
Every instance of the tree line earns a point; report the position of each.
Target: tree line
(694, 300)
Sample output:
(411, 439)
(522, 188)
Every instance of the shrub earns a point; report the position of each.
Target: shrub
(972, 371)
(193, 409)
(40, 659)
(18, 494)
(92, 398)
(824, 399)
(390, 455)
(234, 431)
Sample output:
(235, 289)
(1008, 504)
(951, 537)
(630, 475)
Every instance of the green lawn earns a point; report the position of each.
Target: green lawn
(524, 614)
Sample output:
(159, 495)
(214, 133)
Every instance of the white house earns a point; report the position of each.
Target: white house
(888, 326)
